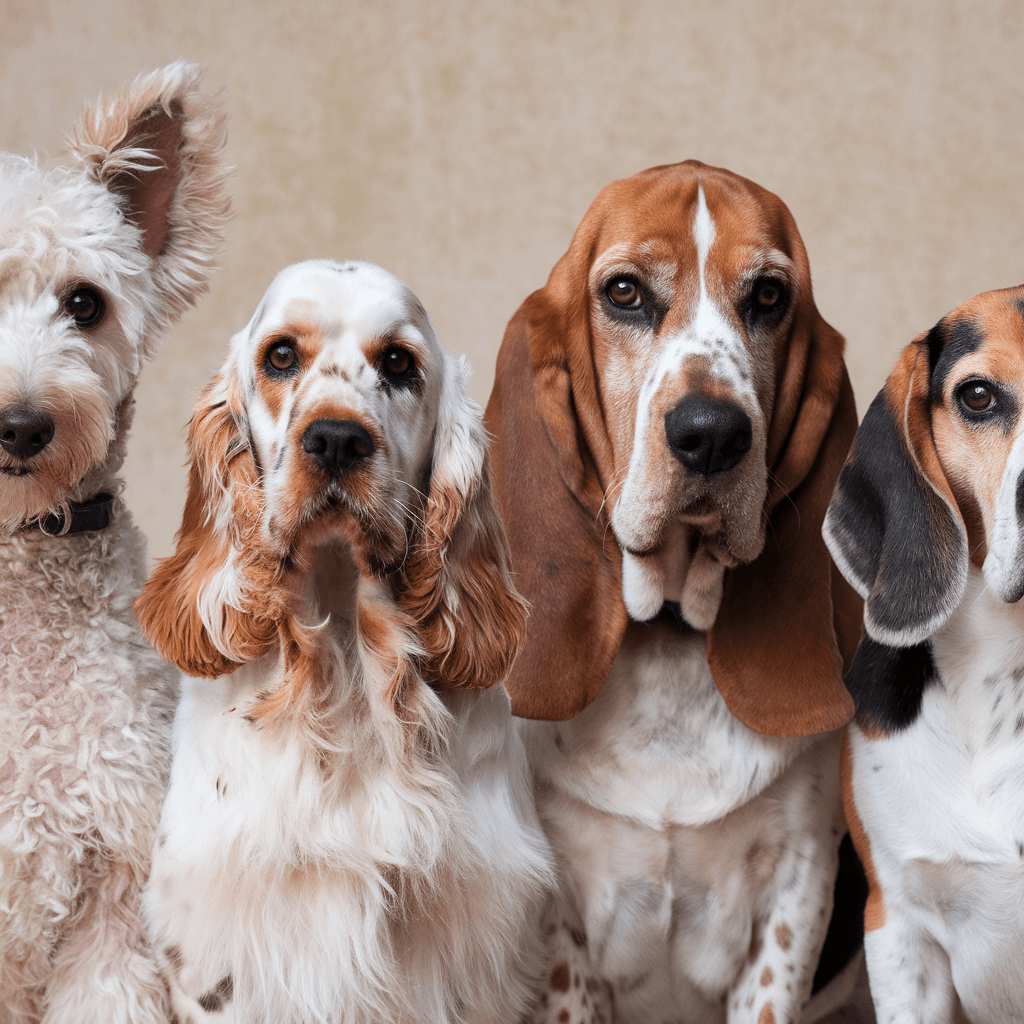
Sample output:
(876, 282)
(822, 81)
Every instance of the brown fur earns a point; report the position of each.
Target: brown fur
(561, 446)
(874, 912)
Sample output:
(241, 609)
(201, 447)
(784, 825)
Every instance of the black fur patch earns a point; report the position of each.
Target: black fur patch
(846, 928)
(897, 535)
(947, 344)
(888, 683)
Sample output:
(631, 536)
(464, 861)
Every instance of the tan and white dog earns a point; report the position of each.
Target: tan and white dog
(99, 252)
(349, 834)
(927, 523)
(670, 414)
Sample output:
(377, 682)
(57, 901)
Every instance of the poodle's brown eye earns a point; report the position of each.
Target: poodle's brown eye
(85, 307)
(623, 291)
(282, 356)
(397, 361)
(977, 397)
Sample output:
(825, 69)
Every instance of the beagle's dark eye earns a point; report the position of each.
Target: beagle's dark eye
(976, 396)
(85, 306)
(282, 357)
(625, 292)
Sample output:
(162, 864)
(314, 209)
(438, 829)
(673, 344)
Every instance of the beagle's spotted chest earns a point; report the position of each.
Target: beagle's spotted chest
(927, 522)
(671, 413)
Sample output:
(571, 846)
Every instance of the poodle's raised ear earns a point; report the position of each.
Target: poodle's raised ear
(456, 580)
(156, 148)
(214, 604)
(894, 527)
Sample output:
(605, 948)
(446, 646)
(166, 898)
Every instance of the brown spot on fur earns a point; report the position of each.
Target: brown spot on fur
(214, 1000)
(558, 981)
(563, 1016)
(767, 977)
(783, 936)
(767, 1015)
(874, 911)
(174, 958)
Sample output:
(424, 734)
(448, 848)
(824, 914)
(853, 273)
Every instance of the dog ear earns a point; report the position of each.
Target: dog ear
(550, 438)
(787, 625)
(894, 527)
(156, 148)
(214, 605)
(457, 583)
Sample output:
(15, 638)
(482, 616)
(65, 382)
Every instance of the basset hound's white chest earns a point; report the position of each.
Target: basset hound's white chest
(659, 745)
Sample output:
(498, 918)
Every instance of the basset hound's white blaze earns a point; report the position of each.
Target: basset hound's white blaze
(657, 556)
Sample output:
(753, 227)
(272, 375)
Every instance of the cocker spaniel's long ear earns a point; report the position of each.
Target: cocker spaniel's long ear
(788, 625)
(550, 451)
(894, 526)
(457, 585)
(156, 146)
(212, 605)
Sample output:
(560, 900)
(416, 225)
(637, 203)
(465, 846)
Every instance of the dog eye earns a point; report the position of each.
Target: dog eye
(976, 396)
(282, 356)
(397, 361)
(625, 292)
(768, 296)
(85, 307)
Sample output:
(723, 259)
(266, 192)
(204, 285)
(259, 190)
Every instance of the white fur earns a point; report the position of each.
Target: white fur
(85, 703)
(377, 867)
(942, 804)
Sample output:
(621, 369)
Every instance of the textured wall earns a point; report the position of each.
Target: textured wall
(458, 144)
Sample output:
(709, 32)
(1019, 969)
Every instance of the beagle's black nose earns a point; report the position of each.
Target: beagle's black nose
(24, 431)
(707, 435)
(337, 445)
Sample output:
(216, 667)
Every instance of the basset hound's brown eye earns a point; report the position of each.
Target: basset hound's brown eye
(85, 307)
(768, 294)
(625, 292)
(976, 396)
(282, 356)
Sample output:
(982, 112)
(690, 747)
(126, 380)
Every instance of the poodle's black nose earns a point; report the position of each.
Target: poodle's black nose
(25, 432)
(337, 445)
(707, 435)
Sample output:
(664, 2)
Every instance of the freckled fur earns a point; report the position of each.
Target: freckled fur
(350, 830)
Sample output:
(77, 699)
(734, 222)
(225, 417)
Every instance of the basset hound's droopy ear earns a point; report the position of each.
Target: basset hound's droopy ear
(788, 625)
(543, 413)
(212, 605)
(894, 527)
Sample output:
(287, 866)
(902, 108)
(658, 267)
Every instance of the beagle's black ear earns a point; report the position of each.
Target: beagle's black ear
(893, 525)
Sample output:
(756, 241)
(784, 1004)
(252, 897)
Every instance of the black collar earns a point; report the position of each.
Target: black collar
(86, 516)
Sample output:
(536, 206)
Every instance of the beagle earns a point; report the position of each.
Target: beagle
(926, 523)
(671, 413)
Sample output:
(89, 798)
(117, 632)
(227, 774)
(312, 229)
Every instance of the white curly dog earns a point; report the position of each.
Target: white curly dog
(98, 254)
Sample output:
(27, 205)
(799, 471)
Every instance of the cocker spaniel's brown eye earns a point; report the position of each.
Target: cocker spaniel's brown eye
(85, 307)
(768, 294)
(397, 361)
(282, 356)
(625, 292)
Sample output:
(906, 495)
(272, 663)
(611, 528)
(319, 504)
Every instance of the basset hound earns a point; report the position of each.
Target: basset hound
(927, 522)
(671, 413)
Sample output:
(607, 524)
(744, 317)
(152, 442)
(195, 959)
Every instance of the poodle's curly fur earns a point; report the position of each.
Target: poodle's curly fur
(135, 213)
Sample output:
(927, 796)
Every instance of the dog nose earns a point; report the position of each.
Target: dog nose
(24, 431)
(337, 445)
(706, 435)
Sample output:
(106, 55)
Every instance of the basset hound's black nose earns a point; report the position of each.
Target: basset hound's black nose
(707, 435)
(337, 445)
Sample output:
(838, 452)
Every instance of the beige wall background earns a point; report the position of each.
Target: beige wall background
(458, 143)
